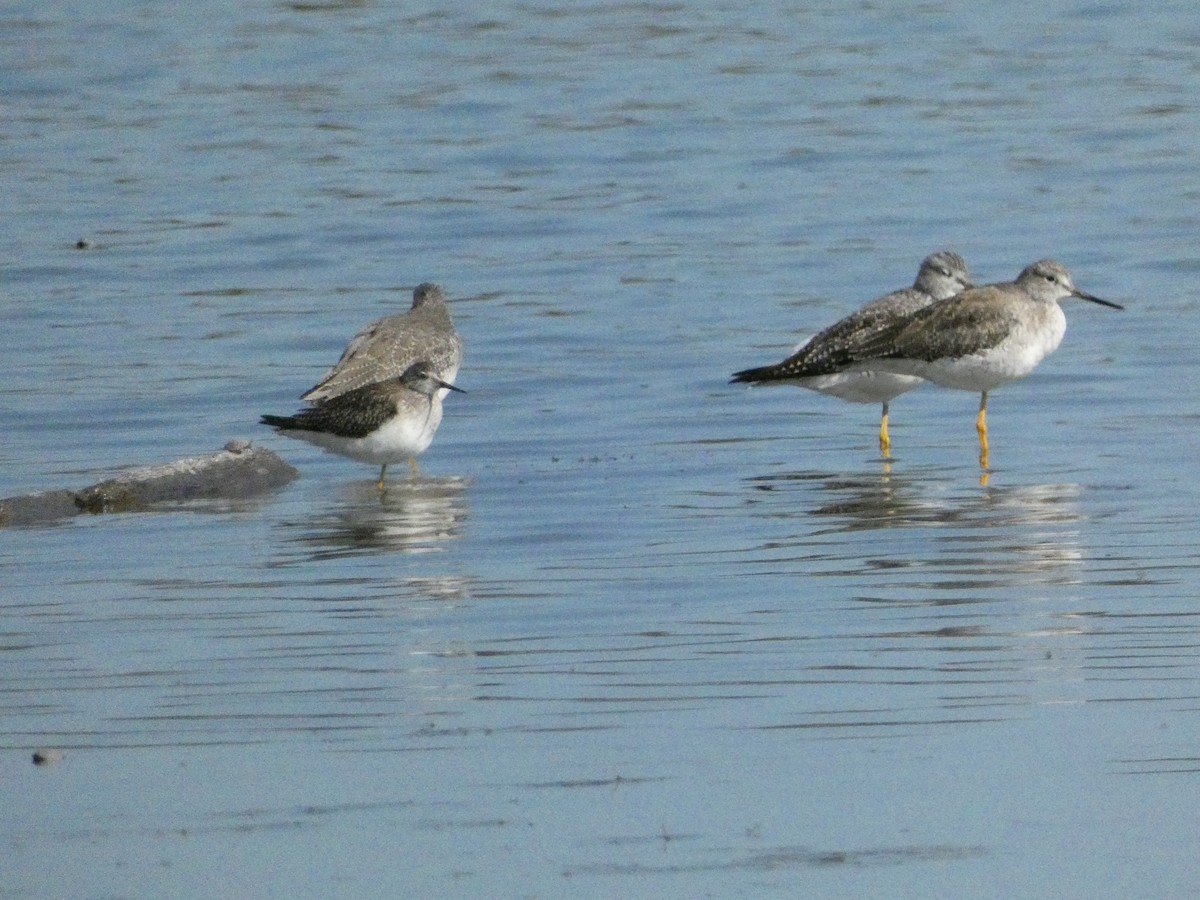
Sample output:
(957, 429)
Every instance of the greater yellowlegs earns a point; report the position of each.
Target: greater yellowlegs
(384, 422)
(387, 348)
(980, 339)
(819, 363)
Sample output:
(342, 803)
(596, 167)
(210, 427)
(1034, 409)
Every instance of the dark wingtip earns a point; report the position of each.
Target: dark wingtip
(761, 375)
(747, 376)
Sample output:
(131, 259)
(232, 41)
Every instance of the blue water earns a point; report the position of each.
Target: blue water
(633, 631)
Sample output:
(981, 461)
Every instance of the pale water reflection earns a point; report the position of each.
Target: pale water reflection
(417, 514)
(923, 530)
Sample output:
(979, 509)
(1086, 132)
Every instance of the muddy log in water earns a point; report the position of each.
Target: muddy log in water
(235, 473)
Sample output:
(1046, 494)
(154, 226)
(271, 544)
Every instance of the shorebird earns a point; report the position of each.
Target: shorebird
(384, 422)
(980, 339)
(387, 348)
(819, 364)
(382, 402)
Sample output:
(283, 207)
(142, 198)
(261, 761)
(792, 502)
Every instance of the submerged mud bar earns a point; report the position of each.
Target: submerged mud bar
(237, 472)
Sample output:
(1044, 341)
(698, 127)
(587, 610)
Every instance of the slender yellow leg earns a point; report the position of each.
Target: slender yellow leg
(885, 441)
(381, 485)
(412, 462)
(981, 427)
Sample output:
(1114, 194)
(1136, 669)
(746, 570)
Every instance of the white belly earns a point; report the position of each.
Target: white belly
(399, 439)
(1012, 359)
(861, 387)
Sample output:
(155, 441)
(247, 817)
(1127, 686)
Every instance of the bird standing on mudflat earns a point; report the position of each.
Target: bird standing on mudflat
(819, 364)
(980, 339)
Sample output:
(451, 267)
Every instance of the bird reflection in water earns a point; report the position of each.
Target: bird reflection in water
(415, 515)
(1000, 536)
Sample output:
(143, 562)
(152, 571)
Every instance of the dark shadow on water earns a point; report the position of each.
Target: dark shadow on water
(789, 858)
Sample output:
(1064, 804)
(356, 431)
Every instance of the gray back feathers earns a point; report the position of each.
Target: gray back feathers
(388, 348)
(941, 275)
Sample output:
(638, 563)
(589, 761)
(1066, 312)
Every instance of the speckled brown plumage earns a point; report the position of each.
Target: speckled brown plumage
(380, 423)
(354, 414)
(941, 275)
(385, 349)
(977, 321)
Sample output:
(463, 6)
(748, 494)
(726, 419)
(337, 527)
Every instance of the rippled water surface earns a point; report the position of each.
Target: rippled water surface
(632, 631)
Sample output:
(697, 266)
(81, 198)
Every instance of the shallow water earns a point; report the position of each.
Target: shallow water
(633, 631)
